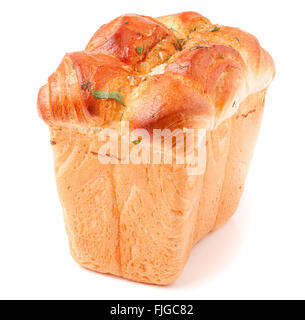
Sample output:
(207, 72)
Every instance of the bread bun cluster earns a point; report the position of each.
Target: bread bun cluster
(154, 72)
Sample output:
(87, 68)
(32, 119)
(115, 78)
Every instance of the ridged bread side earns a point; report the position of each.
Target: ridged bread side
(141, 221)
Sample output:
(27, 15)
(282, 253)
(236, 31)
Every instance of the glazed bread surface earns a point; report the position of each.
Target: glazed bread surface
(141, 221)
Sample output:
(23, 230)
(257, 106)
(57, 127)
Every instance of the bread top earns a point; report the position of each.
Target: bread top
(155, 73)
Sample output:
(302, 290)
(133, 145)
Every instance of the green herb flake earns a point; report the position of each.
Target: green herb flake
(108, 95)
(174, 30)
(126, 22)
(199, 47)
(234, 105)
(237, 39)
(164, 60)
(86, 86)
(179, 44)
(140, 49)
(73, 65)
(135, 142)
(192, 30)
(215, 28)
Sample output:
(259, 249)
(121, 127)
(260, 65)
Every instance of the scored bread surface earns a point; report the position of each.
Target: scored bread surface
(141, 221)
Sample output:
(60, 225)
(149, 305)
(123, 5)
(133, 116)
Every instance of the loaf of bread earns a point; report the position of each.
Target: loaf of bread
(140, 220)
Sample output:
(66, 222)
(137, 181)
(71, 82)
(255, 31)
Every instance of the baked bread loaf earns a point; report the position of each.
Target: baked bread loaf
(140, 221)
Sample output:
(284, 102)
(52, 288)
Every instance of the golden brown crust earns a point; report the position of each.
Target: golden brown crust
(224, 65)
(161, 99)
(121, 38)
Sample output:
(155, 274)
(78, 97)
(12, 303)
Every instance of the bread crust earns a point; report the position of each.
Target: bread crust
(222, 64)
(141, 221)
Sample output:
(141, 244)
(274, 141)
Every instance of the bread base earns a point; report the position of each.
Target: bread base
(141, 221)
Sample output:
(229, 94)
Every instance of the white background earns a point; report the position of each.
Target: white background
(258, 254)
